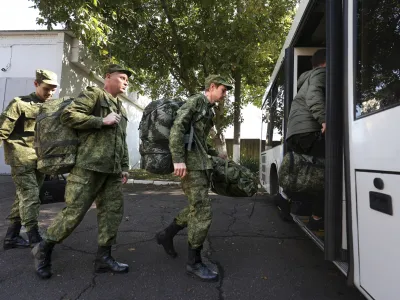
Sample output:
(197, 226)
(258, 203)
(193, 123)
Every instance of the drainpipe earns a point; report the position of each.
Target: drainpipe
(74, 60)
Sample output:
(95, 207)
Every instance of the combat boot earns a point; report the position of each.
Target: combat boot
(104, 262)
(42, 256)
(196, 268)
(34, 236)
(13, 239)
(166, 238)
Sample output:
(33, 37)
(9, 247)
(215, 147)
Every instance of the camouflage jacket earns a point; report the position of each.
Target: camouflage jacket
(17, 127)
(197, 111)
(102, 148)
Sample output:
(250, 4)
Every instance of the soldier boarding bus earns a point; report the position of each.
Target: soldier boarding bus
(362, 151)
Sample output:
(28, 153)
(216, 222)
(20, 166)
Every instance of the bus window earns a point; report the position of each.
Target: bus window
(275, 109)
(378, 59)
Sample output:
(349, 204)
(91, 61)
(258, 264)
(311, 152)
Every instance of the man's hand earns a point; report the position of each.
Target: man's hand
(323, 129)
(180, 169)
(124, 176)
(111, 119)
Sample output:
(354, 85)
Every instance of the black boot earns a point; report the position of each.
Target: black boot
(13, 239)
(283, 206)
(34, 236)
(196, 268)
(106, 263)
(166, 238)
(42, 256)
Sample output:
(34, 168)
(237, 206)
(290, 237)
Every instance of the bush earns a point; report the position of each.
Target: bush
(251, 163)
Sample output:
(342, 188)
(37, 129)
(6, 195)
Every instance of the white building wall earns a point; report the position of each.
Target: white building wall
(21, 53)
(73, 79)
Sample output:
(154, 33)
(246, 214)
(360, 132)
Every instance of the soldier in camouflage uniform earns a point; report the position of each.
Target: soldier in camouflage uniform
(17, 125)
(102, 162)
(194, 166)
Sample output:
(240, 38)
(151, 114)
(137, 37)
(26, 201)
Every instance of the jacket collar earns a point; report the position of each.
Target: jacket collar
(35, 98)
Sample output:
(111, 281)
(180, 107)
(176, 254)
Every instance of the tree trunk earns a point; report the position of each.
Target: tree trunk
(217, 131)
(236, 116)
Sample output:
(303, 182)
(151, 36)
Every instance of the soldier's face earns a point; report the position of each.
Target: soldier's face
(45, 91)
(218, 92)
(117, 82)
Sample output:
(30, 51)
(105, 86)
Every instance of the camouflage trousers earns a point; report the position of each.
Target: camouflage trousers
(83, 188)
(197, 216)
(26, 206)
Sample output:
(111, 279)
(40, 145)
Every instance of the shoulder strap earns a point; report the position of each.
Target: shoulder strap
(24, 98)
(119, 102)
(97, 109)
(291, 161)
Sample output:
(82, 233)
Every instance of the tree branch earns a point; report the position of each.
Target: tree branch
(177, 41)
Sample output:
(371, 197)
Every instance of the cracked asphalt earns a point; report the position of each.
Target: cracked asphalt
(258, 255)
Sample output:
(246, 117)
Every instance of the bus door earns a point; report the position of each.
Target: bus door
(373, 154)
(297, 61)
(301, 62)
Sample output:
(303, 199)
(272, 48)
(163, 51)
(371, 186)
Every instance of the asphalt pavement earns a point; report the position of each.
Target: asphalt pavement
(259, 256)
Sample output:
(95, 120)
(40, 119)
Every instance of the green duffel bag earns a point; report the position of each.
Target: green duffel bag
(232, 180)
(300, 173)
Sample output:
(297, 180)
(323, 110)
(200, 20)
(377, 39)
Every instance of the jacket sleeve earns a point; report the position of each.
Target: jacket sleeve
(125, 159)
(315, 97)
(178, 130)
(78, 114)
(8, 119)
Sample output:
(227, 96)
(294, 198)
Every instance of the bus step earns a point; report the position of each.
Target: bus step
(316, 237)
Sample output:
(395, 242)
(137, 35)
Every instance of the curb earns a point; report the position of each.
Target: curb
(155, 182)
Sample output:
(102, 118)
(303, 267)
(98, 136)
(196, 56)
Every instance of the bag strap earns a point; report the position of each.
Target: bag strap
(197, 141)
(291, 161)
(97, 109)
(291, 168)
(119, 106)
(189, 148)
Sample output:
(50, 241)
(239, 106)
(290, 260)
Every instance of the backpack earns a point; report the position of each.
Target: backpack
(301, 173)
(55, 144)
(154, 129)
(232, 180)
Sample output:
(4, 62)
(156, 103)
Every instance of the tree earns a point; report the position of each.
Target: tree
(171, 46)
(378, 75)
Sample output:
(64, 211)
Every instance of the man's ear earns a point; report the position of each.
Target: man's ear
(36, 83)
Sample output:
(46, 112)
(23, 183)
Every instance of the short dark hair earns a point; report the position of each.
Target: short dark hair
(318, 58)
(216, 85)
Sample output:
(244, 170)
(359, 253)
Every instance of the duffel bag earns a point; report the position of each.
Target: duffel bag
(233, 180)
(300, 173)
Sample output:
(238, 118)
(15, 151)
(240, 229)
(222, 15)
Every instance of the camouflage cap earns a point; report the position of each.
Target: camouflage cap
(46, 76)
(117, 68)
(219, 80)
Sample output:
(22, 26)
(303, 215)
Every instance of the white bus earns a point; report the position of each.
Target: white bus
(362, 177)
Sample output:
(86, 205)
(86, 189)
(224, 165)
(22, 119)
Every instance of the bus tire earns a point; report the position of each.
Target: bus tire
(273, 181)
(282, 205)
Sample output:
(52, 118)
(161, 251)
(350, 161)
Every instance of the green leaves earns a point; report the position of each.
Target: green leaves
(173, 45)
